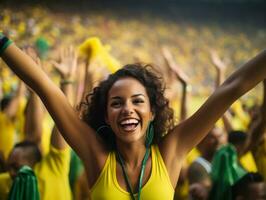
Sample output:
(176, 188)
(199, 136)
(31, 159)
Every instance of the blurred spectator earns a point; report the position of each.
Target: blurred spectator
(199, 171)
(250, 187)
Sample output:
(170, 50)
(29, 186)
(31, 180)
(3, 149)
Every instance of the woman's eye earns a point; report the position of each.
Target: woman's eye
(138, 101)
(115, 104)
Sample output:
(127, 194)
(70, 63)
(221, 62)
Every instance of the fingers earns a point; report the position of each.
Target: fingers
(216, 60)
(58, 67)
(68, 62)
(173, 66)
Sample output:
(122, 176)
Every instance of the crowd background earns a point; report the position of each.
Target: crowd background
(187, 34)
(236, 30)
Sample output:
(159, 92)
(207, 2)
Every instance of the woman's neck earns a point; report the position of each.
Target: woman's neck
(132, 154)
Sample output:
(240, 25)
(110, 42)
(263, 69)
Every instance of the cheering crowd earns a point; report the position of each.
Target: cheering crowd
(75, 132)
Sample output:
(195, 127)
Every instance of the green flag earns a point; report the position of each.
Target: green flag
(24, 186)
(225, 172)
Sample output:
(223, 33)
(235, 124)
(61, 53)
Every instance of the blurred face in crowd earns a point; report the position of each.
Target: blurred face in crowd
(128, 110)
(255, 191)
(16, 160)
(215, 138)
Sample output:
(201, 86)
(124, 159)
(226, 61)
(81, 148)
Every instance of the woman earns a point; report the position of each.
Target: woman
(129, 106)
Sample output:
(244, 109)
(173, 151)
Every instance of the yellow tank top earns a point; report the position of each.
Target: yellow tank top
(157, 187)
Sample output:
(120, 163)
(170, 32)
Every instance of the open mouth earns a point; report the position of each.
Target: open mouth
(129, 124)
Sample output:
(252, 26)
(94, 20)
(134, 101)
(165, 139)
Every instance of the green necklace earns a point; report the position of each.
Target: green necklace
(143, 165)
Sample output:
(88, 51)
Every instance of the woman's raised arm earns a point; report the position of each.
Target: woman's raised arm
(190, 132)
(78, 134)
(236, 85)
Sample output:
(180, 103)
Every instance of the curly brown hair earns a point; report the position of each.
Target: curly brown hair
(95, 104)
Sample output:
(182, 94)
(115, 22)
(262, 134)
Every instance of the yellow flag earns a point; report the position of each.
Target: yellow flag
(93, 48)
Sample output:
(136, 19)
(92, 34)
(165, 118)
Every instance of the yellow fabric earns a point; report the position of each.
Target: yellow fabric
(5, 185)
(260, 158)
(9, 81)
(93, 48)
(7, 134)
(9, 128)
(20, 120)
(248, 162)
(192, 155)
(52, 175)
(158, 186)
(47, 127)
(241, 119)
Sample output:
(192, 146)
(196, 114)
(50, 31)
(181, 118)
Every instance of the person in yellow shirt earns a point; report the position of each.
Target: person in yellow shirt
(51, 170)
(199, 170)
(10, 107)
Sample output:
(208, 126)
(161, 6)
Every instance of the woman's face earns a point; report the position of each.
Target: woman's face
(128, 110)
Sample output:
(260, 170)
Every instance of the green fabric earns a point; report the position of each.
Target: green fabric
(5, 45)
(42, 46)
(76, 168)
(24, 186)
(149, 135)
(225, 172)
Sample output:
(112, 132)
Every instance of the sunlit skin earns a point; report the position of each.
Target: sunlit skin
(128, 105)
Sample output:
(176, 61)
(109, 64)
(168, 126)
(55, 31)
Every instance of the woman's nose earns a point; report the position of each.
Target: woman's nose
(127, 109)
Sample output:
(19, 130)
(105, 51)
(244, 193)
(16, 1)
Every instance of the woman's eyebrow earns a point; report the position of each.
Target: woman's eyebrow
(116, 97)
(135, 95)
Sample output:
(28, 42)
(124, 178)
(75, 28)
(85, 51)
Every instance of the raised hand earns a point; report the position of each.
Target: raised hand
(68, 63)
(217, 61)
(182, 77)
(219, 65)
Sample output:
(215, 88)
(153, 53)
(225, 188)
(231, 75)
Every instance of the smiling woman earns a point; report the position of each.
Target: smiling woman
(128, 105)
(134, 85)
(121, 115)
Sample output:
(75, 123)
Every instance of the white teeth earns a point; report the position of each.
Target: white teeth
(129, 121)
